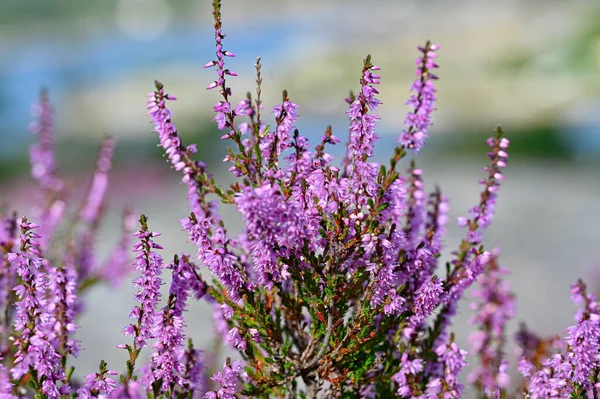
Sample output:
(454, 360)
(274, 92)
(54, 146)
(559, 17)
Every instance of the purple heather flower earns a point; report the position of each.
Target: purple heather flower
(98, 384)
(407, 368)
(551, 380)
(236, 340)
(177, 154)
(227, 380)
(62, 308)
(34, 349)
(560, 372)
(275, 226)
(43, 163)
(167, 365)
(149, 263)
(426, 299)
(6, 387)
(194, 378)
(415, 208)
(362, 137)
(227, 311)
(422, 101)
(495, 305)
(583, 339)
(221, 326)
(481, 215)
(453, 360)
(213, 253)
(44, 170)
(90, 211)
(130, 390)
(224, 117)
(470, 262)
(274, 143)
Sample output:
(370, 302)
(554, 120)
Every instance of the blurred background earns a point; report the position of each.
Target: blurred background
(532, 66)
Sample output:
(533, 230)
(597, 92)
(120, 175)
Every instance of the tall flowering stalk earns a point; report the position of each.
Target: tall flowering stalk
(168, 365)
(494, 305)
(44, 169)
(36, 359)
(149, 263)
(422, 100)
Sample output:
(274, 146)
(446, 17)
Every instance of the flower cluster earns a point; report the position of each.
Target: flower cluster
(422, 101)
(331, 288)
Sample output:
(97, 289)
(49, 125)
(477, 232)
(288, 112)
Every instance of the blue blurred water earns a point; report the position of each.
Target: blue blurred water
(60, 64)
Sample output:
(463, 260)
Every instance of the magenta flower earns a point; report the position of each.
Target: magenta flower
(51, 205)
(149, 263)
(227, 380)
(422, 101)
(92, 207)
(494, 305)
(167, 364)
(35, 351)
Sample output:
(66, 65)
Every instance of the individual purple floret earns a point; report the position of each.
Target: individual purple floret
(422, 101)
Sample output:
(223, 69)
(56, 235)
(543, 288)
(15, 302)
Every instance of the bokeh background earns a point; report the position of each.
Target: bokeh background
(532, 66)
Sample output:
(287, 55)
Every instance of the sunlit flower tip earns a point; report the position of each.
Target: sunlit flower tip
(122, 346)
(230, 73)
(504, 142)
(228, 54)
(212, 85)
(502, 154)
(210, 64)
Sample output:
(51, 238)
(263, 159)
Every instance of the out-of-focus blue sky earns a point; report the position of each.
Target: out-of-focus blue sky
(529, 65)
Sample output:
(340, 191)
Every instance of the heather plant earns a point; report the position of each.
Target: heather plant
(334, 288)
